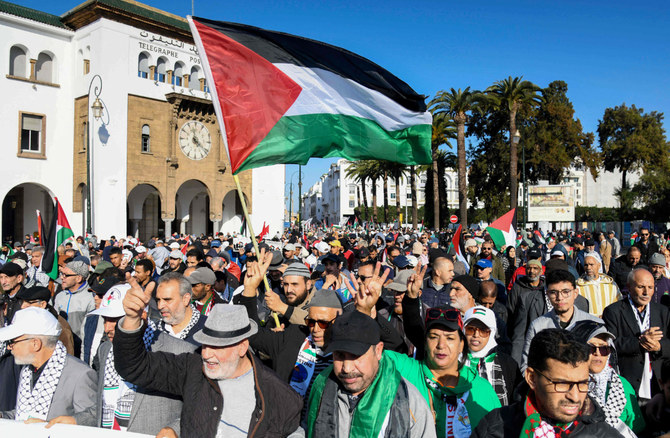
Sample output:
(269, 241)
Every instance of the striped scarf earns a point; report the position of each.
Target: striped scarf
(152, 326)
(535, 426)
(35, 402)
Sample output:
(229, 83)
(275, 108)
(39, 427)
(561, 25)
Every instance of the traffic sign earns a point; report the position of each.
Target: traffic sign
(453, 219)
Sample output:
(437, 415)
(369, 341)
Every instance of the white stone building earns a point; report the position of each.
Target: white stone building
(144, 178)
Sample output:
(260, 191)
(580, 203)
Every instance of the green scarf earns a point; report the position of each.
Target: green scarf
(441, 396)
(473, 362)
(534, 422)
(371, 410)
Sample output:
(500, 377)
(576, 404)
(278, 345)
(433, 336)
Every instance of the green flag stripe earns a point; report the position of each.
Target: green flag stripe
(294, 139)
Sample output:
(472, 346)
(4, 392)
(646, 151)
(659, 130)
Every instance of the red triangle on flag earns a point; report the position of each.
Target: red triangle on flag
(252, 93)
(504, 222)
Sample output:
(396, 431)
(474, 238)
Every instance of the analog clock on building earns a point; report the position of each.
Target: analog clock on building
(194, 140)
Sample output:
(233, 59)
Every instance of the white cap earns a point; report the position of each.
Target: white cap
(112, 302)
(413, 261)
(323, 247)
(31, 321)
(140, 249)
(174, 245)
(483, 314)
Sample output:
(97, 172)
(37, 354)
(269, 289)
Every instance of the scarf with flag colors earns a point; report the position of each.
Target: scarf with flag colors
(59, 231)
(283, 99)
(503, 230)
(459, 247)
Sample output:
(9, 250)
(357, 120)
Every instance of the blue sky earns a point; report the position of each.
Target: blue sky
(608, 52)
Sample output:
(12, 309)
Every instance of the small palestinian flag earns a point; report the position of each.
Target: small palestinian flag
(283, 99)
(459, 247)
(59, 232)
(479, 311)
(538, 237)
(503, 230)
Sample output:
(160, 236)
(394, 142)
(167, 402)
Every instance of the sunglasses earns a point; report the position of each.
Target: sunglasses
(322, 324)
(14, 341)
(604, 350)
(471, 330)
(446, 314)
(63, 274)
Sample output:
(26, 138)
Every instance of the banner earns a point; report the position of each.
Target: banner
(551, 203)
(11, 428)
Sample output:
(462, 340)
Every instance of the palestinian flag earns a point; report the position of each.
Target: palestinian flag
(243, 227)
(59, 232)
(503, 230)
(284, 99)
(40, 229)
(538, 237)
(459, 247)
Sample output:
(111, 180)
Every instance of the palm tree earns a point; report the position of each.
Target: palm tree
(457, 104)
(396, 171)
(443, 130)
(511, 95)
(358, 171)
(415, 207)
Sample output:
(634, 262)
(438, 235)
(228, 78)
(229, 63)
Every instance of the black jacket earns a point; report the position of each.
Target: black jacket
(647, 251)
(506, 422)
(283, 347)
(619, 270)
(621, 322)
(532, 305)
(278, 407)
(521, 287)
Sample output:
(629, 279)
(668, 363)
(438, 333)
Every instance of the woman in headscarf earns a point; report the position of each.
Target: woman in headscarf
(607, 388)
(484, 359)
(510, 262)
(457, 396)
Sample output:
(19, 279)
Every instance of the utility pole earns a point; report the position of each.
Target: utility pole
(299, 197)
(290, 204)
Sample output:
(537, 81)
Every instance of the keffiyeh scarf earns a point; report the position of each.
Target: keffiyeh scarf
(487, 368)
(535, 426)
(35, 402)
(153, 326)
(607, 390)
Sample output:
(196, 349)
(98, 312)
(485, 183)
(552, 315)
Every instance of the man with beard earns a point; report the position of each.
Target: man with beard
(333, 278)
(297, 290)
(175, 262)
(556, 403)
(561, 294)
(524, 284)
(646, 245)
(363, 388)
(11, 280)
(486, 253)
(599, 289)
(622, 266)
(204, 298)
(661, 282)
(179, 318)
(226, 391)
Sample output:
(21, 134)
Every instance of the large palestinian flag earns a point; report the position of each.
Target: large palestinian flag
(284, 99)
(503, 230)
(59, 232)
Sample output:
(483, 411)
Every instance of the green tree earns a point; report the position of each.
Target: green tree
(443, 131)
(510, 96)
(553, 138)
(358, 171)
(457, 104)
(630, 140)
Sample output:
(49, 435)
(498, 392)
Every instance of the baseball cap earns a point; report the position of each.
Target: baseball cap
(215, 243)
(202, 275)
(470, 242)
(401, 261)
(174, 245)
(112, 302)
(176, 254)
(578, 240)
(141, 249)
(353, 332)
(101, 266)
(413, 261)
(363, 253)
(585, 330)
(534, 253)
(289, 247)
(399, 283)
(102, 284)
(323, 247)
(484, 263)
(482, 314)
(32, 321)
(336, 243)
(330, 258)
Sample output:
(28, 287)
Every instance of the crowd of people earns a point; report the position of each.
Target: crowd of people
(341, 332)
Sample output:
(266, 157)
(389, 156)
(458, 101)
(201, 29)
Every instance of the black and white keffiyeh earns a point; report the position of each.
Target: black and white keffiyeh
(160, 325)
(607, 390)
(35, 403)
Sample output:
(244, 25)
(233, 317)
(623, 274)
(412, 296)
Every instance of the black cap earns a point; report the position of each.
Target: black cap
(534, 253)
(469, 282)
(330, 257)
(578, 240)
(589, 242)
(277, 260)
(353, 332)
(102, 284)
(363, 253)
(34, 293)
(11, 269)
(444, 316)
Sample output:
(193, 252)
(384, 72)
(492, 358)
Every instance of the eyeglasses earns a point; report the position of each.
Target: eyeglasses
(603, 350)
(565, 293)
(470, 330)
(363, 278)
(63, 274)
(14, 341)
(562, 387)
(448, 314)
(322, 324)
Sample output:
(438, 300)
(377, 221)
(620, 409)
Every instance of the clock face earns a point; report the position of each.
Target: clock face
(194, 140)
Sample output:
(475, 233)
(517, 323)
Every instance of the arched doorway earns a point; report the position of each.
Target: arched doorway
(144, 212)
(192, 209)
(19, 207)
(231, 220)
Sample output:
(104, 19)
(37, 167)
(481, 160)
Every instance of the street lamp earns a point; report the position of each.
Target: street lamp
(516, 137)
(97, 108)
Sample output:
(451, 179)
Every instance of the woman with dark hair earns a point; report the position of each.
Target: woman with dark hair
(510, 262)
(611, 391)
(457, 396)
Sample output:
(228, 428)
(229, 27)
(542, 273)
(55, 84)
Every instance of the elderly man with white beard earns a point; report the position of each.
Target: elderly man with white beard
(225, 370)
(598, 288)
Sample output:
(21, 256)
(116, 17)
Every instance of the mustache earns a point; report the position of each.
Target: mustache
(352, 375)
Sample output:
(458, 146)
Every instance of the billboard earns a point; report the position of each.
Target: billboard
(551, 203)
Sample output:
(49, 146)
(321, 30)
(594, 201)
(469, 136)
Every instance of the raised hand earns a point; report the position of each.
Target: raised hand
(134, 303)
(275, 303)
(255, 273)
(415, 282)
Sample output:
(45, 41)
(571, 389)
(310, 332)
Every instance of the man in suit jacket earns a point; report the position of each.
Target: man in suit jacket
(53, 386)
(641, 328)
(149, 411)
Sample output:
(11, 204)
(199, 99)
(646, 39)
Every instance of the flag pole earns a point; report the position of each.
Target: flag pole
(253, 237)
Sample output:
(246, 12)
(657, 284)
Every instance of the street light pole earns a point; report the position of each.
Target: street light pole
(299, 197)
(97, 113)
(515, 139)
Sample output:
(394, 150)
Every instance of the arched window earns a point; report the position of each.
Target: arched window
(146, 139)
(143, 65)
(178, 76)
(159, 75)
(17, 61)
(44, 68)
(194, 79)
